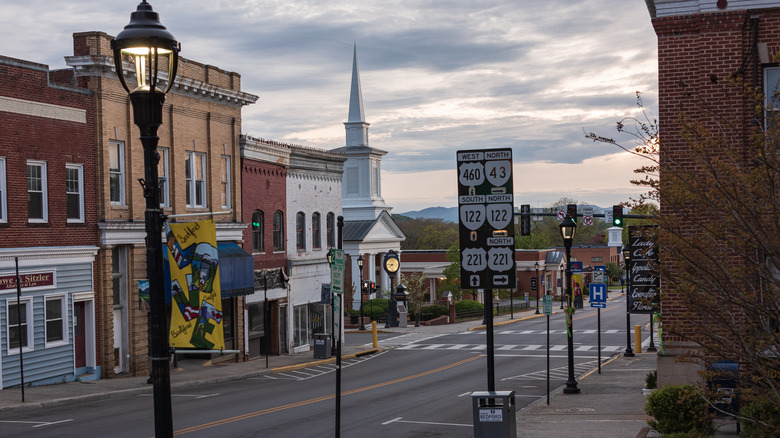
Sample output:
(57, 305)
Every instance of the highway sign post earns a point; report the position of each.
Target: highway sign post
(486, 229)
(598, 298)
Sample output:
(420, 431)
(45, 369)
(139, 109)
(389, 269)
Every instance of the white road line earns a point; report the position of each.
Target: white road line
(37, 423)
(400, 420)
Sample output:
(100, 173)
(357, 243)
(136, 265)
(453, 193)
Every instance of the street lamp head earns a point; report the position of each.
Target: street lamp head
(536, 266)
(568, 228)
(146, 42)
(360, 262)
(626, 253)
(330, 256)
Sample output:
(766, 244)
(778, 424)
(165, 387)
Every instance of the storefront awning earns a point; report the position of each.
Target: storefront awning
(236, 271)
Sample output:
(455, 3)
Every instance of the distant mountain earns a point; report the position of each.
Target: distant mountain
(449, 214)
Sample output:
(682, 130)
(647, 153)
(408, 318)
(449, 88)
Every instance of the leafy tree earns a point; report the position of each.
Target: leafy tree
(451, 280)
(415, 286)
(546, 233)
(426, 233)
(719, 234)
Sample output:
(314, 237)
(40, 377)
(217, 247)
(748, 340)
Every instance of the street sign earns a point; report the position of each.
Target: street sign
(561, 215)
(337, 319)
(598, 277)
(587, 215)
(608, 216)
(547, 304)
(598, 295)
(485, 212)
(338, 260)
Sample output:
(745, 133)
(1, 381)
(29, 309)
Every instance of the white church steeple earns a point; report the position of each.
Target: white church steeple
(362, 183)
(357, 128)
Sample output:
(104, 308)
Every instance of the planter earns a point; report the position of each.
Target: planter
(647, 391)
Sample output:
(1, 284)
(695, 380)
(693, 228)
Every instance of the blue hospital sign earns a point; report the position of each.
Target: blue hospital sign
(598, 295)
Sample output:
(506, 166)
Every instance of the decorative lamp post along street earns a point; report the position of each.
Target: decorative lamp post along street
(561, 268)
(627, 259)
(155, 54)
(536, 266)
(568, 228)
(360, 266)
(332, 310)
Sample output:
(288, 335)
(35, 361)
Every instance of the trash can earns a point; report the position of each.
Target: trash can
(321, 346)
(724, 379)
(494, 414)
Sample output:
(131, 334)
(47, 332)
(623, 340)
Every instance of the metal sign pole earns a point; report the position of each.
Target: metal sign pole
(548, 359)
(19, 326)
(599, 332)
(490, 345)
(340, 227)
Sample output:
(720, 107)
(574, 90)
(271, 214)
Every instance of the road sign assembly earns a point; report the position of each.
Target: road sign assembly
(598, 295)
(486, 225)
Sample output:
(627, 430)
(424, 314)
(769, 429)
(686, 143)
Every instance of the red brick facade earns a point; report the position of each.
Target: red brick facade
(264, 190)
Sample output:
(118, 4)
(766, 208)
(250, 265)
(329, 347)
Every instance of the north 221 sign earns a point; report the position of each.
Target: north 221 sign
(485, 211)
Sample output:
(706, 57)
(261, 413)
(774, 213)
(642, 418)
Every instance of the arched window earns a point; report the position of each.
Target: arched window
(258, 244)
(300, 231)
(278, 231)
(330, 223)
(316, 236)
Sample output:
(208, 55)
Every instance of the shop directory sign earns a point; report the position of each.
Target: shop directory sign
(485, 210)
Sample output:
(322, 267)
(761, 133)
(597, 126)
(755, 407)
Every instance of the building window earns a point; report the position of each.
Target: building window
(300, 231)
(55, 320)
(19, 316)
(74, 191)
(330, 220)
(37, 202)
(596, 259)
(195, 176)
(771, 95)
(258, 224)
(278, 231)
(163, 178)
(301, 325)
(3, 193)
(225, 180)
(116, 172)
(316, 236)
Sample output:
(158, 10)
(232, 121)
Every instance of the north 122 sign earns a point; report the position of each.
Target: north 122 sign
(485, 210)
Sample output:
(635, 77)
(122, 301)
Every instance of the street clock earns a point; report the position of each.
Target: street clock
(391, 263)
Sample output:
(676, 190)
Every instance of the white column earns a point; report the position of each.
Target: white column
(355, 280)
(385, 279)
(432, 288)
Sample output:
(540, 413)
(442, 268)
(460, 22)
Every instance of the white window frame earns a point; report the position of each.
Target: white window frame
(44, 193)
(225, 163)
(192, 183)
(120, 147)
(79, 168)
(64, 320)
(316, 230)
(3, 193)
(163, 178)
(29, 318)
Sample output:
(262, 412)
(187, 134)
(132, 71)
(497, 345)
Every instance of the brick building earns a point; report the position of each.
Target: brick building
(701, 44)
(199, 172)
(47, 222)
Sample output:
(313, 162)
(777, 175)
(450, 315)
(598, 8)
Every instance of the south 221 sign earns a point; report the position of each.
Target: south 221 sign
(485, 210)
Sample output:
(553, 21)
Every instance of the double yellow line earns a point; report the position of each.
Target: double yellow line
(319, 399)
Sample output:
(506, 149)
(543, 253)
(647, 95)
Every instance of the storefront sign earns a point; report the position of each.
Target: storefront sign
(645, 283)
(38, 280)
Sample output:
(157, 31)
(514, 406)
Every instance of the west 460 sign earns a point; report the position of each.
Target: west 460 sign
(485, 210)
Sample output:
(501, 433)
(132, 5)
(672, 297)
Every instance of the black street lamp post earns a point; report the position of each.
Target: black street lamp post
(568, 228)
(360, 266)
(627, 258)
(536, 266)
(146, 43)
(561, 267)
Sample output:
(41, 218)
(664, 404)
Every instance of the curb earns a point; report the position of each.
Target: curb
(323, 361)
(511, 321)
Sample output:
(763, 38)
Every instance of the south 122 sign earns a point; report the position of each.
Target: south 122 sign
(486, 206)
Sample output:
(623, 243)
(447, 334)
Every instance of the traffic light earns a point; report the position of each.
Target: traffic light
(525, 220)
(571, 210)
(617, 216)
(371, 287)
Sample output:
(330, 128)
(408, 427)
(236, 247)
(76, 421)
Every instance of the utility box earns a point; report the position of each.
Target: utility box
(494, 414)
(725, 375)
(321, 346)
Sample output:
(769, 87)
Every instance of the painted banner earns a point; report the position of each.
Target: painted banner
(644, 293)
(196, 310)
(577, 284)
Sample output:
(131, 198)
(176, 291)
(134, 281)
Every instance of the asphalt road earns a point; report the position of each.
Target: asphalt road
(419, 386)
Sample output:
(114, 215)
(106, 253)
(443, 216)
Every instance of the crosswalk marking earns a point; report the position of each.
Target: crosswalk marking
(552, 332)
(315, 371)
(535, 347)
(560, 373)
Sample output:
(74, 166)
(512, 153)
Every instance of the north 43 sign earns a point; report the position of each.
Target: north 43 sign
(485, 212)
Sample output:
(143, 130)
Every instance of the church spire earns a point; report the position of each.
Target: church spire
(356, 126)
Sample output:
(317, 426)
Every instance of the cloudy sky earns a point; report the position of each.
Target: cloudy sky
(437, 76)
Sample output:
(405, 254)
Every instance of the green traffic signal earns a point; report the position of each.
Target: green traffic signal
(617, 216)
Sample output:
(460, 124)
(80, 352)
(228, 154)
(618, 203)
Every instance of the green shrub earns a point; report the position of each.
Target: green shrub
(651, 381)
(468, 305)
(678, 409)
(376, 308)
(762, 410)
(436, 310)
